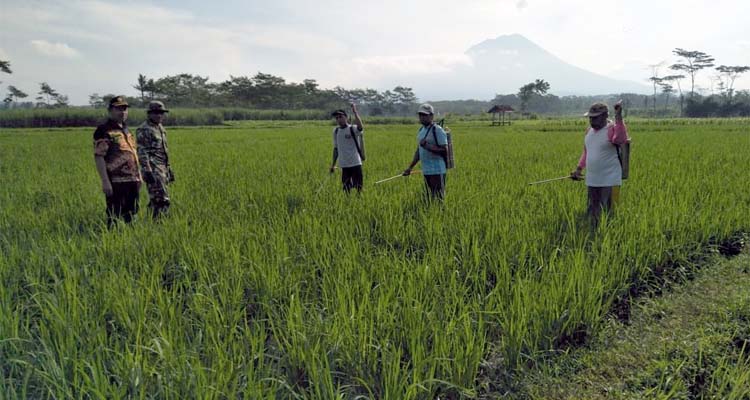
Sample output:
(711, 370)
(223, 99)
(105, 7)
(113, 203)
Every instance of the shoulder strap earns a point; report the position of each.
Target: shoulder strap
(354, 137)
(617, 146)
(434, 135)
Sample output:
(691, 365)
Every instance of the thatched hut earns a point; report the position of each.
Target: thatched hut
(499, 113)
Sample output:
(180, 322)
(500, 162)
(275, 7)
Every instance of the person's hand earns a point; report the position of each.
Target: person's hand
(618, 107)
(576, 175)
(423, 142)
(354, 107)
(107, 188)
(407, 172)
(330, 170)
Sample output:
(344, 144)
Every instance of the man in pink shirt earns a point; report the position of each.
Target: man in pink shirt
(601, 159)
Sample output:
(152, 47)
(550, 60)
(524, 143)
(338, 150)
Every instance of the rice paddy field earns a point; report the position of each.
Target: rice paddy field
(266, 281)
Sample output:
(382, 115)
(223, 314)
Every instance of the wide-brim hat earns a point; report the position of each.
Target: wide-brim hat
(596, 110)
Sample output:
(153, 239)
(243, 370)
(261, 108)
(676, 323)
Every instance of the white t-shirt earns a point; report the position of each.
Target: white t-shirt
(342, 140)
(602, 165)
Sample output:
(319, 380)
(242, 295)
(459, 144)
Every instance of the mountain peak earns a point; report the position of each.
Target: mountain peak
(505, 63)
(505, 43)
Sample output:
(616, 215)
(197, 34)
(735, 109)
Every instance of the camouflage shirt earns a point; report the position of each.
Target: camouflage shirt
(152, 149)
(117, 146)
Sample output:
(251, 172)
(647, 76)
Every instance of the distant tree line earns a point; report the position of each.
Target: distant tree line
(545, 104)
(721, 100)
(261, 92)
(269, 92)
(264, 92)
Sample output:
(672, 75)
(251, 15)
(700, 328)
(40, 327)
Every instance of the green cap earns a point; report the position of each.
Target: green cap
(157, 107)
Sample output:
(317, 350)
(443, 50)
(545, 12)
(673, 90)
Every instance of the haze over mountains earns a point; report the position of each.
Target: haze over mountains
(504, 64)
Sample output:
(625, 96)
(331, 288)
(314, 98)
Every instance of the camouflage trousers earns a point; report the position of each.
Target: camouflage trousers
(158, 195)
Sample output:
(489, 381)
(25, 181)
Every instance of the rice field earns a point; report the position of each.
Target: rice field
(266, 281)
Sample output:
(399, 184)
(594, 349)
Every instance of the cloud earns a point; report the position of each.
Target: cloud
(325, 41)
(54, 49)
(187, 39)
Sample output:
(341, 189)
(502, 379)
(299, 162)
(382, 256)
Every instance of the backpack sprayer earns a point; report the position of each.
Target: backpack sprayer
(449, 160)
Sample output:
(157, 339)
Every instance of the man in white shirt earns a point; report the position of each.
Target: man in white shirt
(601, 159)
(348, 149)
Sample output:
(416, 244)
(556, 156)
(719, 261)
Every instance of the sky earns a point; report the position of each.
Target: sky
(96, 46)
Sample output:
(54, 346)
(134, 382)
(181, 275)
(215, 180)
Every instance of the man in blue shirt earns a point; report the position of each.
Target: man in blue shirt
(432, 145)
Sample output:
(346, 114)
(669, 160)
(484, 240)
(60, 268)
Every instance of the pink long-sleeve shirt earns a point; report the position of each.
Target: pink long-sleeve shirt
(600, 154)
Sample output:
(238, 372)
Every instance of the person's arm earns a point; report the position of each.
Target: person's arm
(437, 149)
(335, 151)
(101, 168)
(144, 139)
(414, 162)
(335, 157)
(582, 159)
(619, 133)
(357, 119)
(577, 174)
(101, 146)
(441, 148)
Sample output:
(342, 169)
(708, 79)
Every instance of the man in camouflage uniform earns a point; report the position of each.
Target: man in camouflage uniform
(117, 163)
(154, 158)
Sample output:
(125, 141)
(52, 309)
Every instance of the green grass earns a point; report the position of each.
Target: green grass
(266, 281)
(693, 342)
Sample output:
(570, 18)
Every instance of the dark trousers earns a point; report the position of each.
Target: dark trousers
(435, 185)
(351, 177)
(123, 203)
(601, 199)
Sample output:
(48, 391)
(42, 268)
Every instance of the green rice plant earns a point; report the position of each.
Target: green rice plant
(266, 281)
(82, 116)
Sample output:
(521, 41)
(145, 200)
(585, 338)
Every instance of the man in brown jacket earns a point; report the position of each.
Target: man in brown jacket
(117, 163)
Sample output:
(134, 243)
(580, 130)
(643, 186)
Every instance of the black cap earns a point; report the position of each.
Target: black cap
(339, 112)
(118, 101)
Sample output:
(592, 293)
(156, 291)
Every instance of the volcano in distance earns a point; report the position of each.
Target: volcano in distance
(504, 64)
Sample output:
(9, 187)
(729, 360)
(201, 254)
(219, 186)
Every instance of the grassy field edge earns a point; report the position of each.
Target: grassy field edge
(691, 342)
